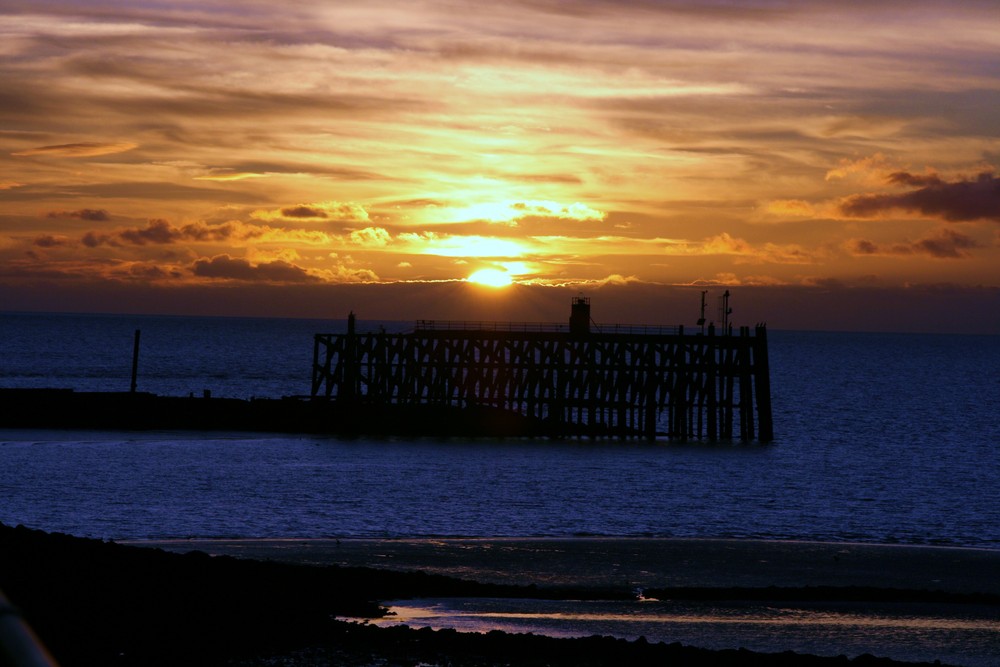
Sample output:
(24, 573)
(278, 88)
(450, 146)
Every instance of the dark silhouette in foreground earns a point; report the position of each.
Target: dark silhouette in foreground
(94, 602)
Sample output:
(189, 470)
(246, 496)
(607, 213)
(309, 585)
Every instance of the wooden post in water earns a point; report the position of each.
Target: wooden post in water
(762, 385)
(746, 381)
(135, 360)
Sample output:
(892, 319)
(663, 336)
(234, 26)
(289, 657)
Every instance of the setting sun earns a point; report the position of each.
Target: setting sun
(491, 278)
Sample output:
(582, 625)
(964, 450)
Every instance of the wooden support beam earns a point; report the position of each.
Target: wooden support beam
(623, 384)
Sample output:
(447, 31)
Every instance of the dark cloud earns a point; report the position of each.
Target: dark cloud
(91, 214)
(153, 272)
(159, 231)
(200, 231)
(915, 180)
(945, 244)
(973, 109)
(23, 101)
(18, 272)
(957, 201)
(824, 305)
(234, 268)
(49, 241)
(93, 239)
(303, 212)
(864, 247)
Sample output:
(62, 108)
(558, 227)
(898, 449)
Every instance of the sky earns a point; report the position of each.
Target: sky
(831, 164)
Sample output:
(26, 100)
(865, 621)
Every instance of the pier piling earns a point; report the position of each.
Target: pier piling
(135, 360)
(621, 381)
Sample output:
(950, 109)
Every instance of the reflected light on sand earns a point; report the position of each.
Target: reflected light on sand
(965, 635)
(439, 615)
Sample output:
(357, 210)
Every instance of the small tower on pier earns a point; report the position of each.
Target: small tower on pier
(579, 317)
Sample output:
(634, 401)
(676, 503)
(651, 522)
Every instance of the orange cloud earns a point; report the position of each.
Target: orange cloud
(796, 207)
(550, 209)
(430, 243)
(79, 150)
(775, 253)
(614, 279)
(724, 244)
(372, 237)
(575, 144)
(229, 176)
(869, 169)
(511, 211)
(345, 274)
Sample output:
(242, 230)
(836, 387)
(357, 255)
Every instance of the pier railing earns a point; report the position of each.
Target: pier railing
(656, 382)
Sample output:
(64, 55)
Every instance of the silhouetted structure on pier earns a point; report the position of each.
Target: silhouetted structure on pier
(625, 381)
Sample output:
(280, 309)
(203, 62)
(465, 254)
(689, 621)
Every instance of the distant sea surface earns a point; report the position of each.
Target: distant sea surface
(887, 438)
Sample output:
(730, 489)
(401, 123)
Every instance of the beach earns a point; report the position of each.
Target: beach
(515, 601)
(628, 563)
(912, 603)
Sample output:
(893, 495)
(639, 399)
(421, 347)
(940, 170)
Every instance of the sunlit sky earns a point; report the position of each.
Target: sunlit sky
(178, 156)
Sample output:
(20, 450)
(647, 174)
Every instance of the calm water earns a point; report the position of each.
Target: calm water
(880, 438)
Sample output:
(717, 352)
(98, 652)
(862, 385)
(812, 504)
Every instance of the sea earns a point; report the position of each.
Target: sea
(883, 438)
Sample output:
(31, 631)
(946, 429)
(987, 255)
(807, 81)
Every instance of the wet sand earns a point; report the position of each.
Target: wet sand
(91, 600)
(629, 563)
(841, 598)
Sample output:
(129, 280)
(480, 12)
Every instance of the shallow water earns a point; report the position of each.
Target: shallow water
(960, 635)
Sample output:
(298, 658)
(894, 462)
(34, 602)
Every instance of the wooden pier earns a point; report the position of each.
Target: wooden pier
(597, 381)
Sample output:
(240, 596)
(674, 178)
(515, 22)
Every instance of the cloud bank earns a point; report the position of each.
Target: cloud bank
(955, 201)
(312, 143)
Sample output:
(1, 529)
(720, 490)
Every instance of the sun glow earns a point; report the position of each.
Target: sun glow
(491, 278)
